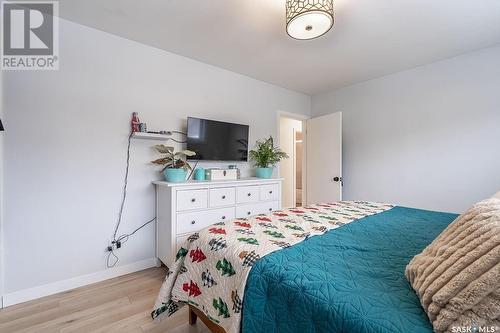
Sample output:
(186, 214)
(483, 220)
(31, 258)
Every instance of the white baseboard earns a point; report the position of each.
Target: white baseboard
(79, 281)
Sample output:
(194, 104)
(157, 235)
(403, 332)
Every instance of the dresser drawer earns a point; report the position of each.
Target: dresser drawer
(192, 199)
(192, 222)
(248, 210)
(222, 196)
(269, 192)
(268, 207)
(246, 194)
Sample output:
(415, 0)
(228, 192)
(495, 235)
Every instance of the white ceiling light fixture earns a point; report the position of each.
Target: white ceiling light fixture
(308, 19)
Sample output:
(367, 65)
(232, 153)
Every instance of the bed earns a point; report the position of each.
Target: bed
(347, 278)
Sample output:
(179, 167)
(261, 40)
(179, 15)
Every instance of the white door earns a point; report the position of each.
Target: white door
(324, 159)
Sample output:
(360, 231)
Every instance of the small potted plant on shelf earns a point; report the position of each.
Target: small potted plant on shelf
(266, 156)
(175, 163)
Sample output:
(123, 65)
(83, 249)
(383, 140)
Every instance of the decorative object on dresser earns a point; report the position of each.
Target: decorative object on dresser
(266, 156)
(184, 208)
(176, 165)
(235, 167)
(221, 174)
(199, 174)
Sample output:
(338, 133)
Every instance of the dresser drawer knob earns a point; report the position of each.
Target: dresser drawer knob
(223, 197)
(270, 192)
(193, 200)
(224, 217)
(270, 209)
(193, 222)
(248, 213)
(249, 194)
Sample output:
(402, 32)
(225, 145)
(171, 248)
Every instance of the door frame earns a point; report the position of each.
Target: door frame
(303, 118)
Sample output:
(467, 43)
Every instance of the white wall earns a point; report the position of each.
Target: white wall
(428, 137)
(65, 147)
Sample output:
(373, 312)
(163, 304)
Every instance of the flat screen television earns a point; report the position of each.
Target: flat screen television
(216, 140)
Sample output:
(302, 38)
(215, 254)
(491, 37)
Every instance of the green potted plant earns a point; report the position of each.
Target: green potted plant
(175, 163)
(266, 156)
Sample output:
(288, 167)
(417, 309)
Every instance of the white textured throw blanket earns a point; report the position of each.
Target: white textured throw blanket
(211, 269)
(457, 277)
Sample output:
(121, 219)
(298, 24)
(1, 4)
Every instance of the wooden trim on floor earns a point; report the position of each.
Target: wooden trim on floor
(194, 314)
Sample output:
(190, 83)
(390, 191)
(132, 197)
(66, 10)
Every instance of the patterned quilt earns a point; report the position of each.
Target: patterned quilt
(211, 269)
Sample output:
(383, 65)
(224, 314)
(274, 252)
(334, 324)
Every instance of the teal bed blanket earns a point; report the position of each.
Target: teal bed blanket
(350, 279)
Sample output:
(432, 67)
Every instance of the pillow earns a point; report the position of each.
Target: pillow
(457, 277)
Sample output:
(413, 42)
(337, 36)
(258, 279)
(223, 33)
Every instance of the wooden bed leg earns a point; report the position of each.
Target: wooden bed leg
(192, 317)
(194, 314)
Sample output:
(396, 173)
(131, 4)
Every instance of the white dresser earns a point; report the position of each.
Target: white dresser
(184, 208)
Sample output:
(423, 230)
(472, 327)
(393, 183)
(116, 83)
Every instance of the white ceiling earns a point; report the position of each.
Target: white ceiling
(370, 38)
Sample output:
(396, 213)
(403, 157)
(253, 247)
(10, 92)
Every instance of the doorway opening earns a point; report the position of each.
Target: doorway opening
(298, 168)
(291, 141)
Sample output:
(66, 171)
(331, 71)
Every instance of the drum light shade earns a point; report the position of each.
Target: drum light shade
(308, 19)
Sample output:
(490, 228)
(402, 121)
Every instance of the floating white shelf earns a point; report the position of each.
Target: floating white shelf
(150, 136)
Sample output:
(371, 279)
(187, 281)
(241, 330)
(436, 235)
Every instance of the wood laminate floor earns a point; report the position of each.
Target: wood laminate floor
(122, 304)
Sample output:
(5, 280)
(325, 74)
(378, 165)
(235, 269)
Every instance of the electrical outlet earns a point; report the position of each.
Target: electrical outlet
(112, 246)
